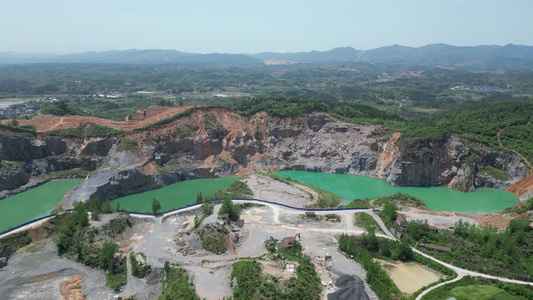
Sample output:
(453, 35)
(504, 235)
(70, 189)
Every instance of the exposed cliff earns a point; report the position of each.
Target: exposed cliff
(213, 142)
(24, 156)
(453, 162)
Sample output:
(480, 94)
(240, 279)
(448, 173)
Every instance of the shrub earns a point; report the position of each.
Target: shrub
(138, 270)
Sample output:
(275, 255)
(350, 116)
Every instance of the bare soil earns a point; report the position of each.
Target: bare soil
(154, 113)
(71, 288)
(37, 233)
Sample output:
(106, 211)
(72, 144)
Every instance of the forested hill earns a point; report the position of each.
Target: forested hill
(287, 107)
(509, 56)
(130, 57)
(515, 56)
(511, 121)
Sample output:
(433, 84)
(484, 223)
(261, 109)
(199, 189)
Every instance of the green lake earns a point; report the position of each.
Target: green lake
(174, 195)
(40, 201)
(350, 187)
(34, 203)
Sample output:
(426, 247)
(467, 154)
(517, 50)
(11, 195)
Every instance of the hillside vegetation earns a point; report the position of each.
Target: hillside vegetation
(481, 123)
(288, 107)
(60, 108)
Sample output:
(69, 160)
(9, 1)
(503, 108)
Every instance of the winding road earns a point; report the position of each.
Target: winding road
(346, 216)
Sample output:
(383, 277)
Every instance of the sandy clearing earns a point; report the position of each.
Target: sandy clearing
(268, 189)
(251, 218)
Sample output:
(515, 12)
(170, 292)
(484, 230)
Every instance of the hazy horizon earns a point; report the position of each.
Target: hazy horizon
(238, 26)
(215, 52)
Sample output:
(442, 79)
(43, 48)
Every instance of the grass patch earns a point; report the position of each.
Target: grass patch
(69, 172)
(332, 218)
(480, 288)
(402, 199)
(480, 292)
(358, 203)
(87, 130)
(250, 283)
(177, 284)
(118, 225)
(520, 208)
(496, 173)
(116, 278)
(10, 244)
(137, 269)
(238, 189)
(366, 221)
(127, 145)
(8, 166)
(214, 238)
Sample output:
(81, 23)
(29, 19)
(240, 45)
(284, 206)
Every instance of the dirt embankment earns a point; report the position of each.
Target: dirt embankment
(523, 188)
(141, 118)
(71, 288)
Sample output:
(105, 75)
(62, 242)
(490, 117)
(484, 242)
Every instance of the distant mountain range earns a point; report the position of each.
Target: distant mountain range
(431, 55)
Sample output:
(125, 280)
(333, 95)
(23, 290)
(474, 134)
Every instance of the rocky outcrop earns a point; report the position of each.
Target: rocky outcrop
(110, 183)
(453, 162)
(215, 142)
(61, 163)
(18, 148)
(324, 144)
(100, 147)
(318, 143)
(23, 156)
(13, 175)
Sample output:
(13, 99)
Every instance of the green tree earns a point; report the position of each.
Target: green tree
(373, 242)
(199, 198)
(229, 208)
(106, 256)
(14, 123)
(118, 206)
(207, 208)
(388, 214)
(95, 207)
(63, 239)
(403, 251)
(81, 217)
(156, 206)
(106, 207)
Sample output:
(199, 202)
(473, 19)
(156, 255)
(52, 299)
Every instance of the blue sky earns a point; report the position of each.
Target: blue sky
(249, 26)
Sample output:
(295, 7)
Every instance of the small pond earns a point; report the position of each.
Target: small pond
(410, 277)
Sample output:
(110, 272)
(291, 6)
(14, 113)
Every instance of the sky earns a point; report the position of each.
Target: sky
(250, 26)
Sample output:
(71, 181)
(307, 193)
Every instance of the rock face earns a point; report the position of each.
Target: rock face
(216, 142)
(24, 156)
(13, 175)
(449, 161)
(17, 148)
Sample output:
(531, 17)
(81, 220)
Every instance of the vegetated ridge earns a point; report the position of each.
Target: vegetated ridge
(516, 56)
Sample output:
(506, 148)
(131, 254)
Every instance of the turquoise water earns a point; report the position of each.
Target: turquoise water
(34, 203)
(350, 187)
(174, 195)
(40, 201)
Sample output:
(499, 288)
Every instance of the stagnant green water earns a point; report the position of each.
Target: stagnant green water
(34, 203)
(174, 195)
(350, 187)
